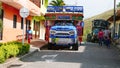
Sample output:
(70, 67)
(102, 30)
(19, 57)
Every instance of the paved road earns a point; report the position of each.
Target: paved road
(88, 56)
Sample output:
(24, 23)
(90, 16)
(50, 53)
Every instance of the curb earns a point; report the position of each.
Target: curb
(118, 47)
(6, 64)
(36, 50)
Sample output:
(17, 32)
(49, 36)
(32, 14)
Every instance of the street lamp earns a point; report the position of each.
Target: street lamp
(114, 18)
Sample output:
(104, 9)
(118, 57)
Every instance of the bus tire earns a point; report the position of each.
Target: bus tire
(49, 46)
(75, 46)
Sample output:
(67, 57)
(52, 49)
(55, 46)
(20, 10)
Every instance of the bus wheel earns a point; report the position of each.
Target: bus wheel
(50, 46)
(75, 46)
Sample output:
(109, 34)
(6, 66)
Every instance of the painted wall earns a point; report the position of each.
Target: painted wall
(10, 33)
(42, 30)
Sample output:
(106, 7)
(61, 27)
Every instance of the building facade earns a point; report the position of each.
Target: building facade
(117, 23)
(12, 22)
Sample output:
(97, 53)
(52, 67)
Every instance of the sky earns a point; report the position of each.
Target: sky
(92, 7)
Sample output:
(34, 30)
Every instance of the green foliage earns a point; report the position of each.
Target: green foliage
(1, 44)
(2, 55)
(87, 31)
(38, 18)
(12, 49)
(57, 3)
(46, 3)
(23, 49)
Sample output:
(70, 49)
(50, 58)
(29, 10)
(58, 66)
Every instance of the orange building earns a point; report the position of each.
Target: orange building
(12, 22)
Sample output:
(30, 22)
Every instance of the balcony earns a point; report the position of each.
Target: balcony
(33, 7)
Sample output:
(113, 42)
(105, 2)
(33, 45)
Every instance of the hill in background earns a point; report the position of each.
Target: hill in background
(88, 22)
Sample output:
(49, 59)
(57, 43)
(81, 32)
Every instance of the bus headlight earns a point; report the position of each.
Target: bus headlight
(72, 32)
(52, 32)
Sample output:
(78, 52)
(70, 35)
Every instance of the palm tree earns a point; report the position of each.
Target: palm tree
(57, 3)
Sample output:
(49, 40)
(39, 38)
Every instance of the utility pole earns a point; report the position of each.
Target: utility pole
(114, 19)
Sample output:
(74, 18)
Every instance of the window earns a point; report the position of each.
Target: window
(27, 24)
(1, 24)
(14, 21)
(21, 23)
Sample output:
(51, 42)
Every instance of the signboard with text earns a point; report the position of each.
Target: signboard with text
(69, 8)
(59, 8)
(65, 9)
(50, 9)
(78, 9)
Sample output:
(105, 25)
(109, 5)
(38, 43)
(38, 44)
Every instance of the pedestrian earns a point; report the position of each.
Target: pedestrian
(107, 32)
(107, 38)
(100, 37)
(107, 41)
(29, 34)
(79, 32)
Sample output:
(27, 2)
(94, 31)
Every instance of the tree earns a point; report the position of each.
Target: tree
(118, 4)
(57, 3)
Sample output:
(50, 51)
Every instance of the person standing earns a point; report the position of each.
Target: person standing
(29, 34)
(79, 32)
(100, 37)
(107, 34)
(107, 41)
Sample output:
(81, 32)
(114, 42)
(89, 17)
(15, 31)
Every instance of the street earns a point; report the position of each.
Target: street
(89, 55)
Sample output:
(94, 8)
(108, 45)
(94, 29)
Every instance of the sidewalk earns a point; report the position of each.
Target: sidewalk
(38, 43)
